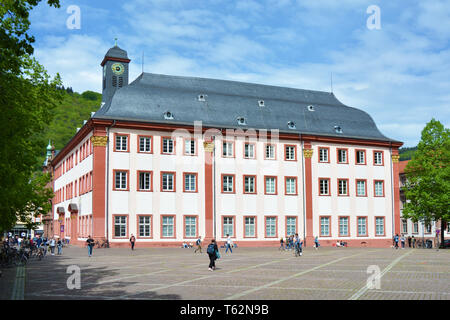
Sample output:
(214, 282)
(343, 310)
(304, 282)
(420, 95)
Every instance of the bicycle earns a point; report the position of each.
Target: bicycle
(298, 250)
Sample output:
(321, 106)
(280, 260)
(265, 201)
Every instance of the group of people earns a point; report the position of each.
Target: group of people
(396, 239)
(296, 243)
(38, 242)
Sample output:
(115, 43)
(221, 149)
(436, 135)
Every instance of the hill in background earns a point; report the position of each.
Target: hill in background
(406, 153)
(69, 115)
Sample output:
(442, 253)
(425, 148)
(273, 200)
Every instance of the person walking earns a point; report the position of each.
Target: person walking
(281, 244)
(396, 241)
(413, 240)
(52, 246)
(132, 241)
(198, 243)
(212, 252)
(316, 243)
(45, 245)
(402, 240)
(59, 245)
(90, 244)
(409, 241)
(228, 244)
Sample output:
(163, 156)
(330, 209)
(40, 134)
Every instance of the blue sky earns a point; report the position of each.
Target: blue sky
(399, 74)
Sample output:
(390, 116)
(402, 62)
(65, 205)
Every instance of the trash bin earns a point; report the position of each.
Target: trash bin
(429, 244)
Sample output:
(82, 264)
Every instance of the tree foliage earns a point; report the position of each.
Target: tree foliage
(428, 176)
(27, 97)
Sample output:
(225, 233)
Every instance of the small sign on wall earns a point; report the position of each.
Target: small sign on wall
(62, 228)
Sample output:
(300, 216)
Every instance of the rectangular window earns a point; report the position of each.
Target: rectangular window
(342, 156)
(228, 226)
(428, 228)
(415, 227)
(189, 147)
(270, 185)
(271, 227)
(249, 151)
(361, 188)
(145, 181)
(362, 226)
(325, 226)
(323, 155)
(145, 226)
(290, 153)
(291, 185)
(190, 182)
(120, 226)
(270, 152)
(121, 143)
(343, 187)
(168, 146)
(121, 180)
(379, 188)
(324, 187)
(404, 226)
(343, 227)
(168, 181)
(291, 225)
(227, 149)
(249, 184)
(250, 227)
(360, 157)
(190, 227)
(379, 226)
(145, 144)
(168, 227)
(228, 183)
(378, 158)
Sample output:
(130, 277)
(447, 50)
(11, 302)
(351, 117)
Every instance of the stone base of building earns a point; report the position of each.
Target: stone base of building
(352, 243)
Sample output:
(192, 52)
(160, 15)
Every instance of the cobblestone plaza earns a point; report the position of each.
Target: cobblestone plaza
(247, 273)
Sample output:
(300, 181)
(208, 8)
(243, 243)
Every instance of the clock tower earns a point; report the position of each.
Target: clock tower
(115, 72)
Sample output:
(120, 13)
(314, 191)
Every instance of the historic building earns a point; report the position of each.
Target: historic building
(170, 158)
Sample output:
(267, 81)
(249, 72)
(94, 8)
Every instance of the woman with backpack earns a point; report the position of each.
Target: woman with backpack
(213, 253)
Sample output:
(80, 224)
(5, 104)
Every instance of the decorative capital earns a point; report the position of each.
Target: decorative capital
(395, 158)
(99, 141)
(308, 153)
(208, 146)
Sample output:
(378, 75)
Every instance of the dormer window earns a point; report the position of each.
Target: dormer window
(261, 103)
(241, 121)
(291, 125)
(201, 97)
(338, 129)
(310, 108)
(168, 115)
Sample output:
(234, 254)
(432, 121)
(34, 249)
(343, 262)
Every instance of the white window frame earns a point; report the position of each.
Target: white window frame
(166, 181)
(190, 226)
(121, 142)
(145, 144)
(145, 226)
(168, 146)
(123, 179)
(122, 224)
(250, 227)
(168, 226)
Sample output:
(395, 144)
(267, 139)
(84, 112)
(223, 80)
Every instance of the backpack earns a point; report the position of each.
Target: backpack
(197, 242)
(210, 249)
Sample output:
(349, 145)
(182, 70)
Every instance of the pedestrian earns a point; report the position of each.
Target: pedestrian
(228, 244)
(396, 241)
(212, 252)
(316, 243)
(90, 245)
(132, 241)
(45, 245)
(409, 241)
(59, 244)
(402, 240)
(52, 246)
(38, 242)
(413, 240)
(281, 244)
(198, 243)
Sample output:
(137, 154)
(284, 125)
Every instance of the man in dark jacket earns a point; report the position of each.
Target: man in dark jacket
(212, 253)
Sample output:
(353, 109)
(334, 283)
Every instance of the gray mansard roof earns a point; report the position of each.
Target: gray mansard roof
(150, 96)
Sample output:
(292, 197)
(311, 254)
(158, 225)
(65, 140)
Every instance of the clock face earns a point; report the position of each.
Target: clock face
(118, 68)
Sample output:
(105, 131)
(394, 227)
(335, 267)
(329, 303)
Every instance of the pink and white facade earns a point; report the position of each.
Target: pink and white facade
(168, 183)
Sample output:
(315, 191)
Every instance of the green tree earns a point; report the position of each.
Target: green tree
(428, 177)
(27, 98)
